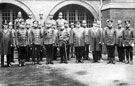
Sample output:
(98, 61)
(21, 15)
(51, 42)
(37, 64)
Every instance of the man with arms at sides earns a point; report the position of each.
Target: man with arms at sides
(95, 38)
(79, 40)
(119, 41)
(128, 39)
(110, 40)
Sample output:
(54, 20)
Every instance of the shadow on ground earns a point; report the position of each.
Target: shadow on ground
(34, 76)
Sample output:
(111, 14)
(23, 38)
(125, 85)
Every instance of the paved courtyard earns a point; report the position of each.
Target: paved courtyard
(72, 74)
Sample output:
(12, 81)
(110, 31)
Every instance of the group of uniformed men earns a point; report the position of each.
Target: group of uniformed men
(36, 39)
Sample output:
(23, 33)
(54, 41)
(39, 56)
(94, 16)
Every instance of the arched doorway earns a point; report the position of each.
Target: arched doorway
(74, 13)
(9, 12)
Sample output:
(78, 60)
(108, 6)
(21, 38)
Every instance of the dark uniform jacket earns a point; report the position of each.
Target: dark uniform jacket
(128, 36)
(48, 36)
(36, 35)
(109, 36)
(22, 37)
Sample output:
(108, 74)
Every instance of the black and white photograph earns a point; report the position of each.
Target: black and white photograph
(67, 42)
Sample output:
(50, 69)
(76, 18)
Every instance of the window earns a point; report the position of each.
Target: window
(9, 12)
(74, 13)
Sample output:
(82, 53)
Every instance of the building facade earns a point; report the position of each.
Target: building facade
(73, 10)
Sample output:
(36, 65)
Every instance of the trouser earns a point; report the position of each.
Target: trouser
(36, 53)
(86, 51)
(41, 54)
(8, 59)
(63, 53)
(100, 53)
(22, 54)
(12, 54)
(72, 51)
(49, 53)
(129, 53)
(55, 53)
(79, 53)
(111, 51)
(68, 50)
(121, 53)
(96, 55)
(29, 53)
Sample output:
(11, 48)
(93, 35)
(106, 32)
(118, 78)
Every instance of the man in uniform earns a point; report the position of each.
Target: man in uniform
(119, 41)
(128, 38)
(79, 41)
(95, 37)
(18, 20)
(22, 39)
(110, 40)
(54, 26)
(48, 41)
(63, 37)
(60, 21)
(86, 47)
(29, 20)
(36, 35)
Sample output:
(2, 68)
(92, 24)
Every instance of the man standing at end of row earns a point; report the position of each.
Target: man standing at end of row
(128, 38)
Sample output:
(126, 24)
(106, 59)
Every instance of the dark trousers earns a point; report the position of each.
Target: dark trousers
(49, 53)
(111, 51)
(36, 53)
(55, 53)
(68, 50)
(12, 54)
(63, 53)
(29, 52)
(86, 51)
(121, 53)
(96, 55)
(41, 54)
(100, 52)
(79, 53)
(8, 59)
(129, 53)
(22, 54)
